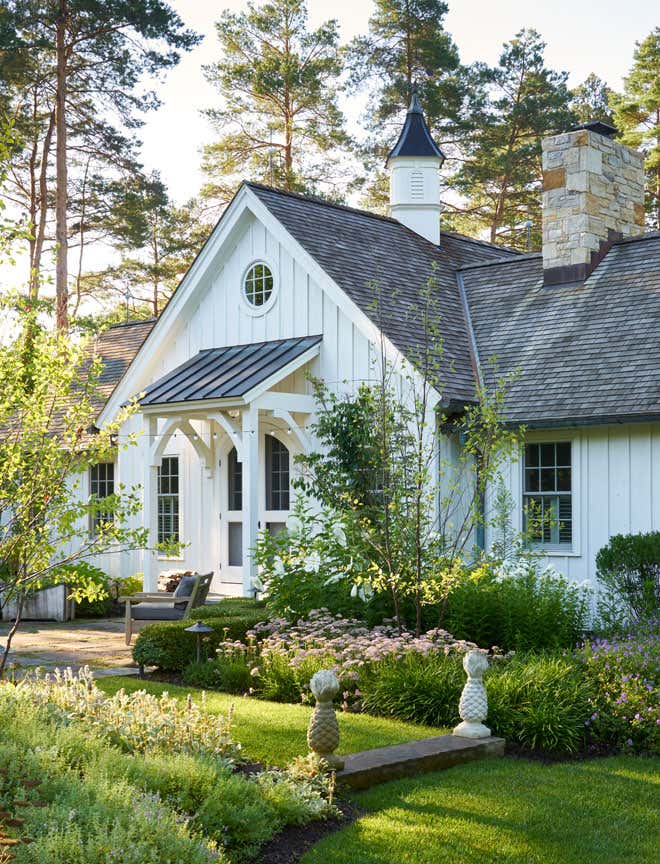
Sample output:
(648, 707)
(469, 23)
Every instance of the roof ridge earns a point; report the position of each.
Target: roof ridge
(317, 336)
(315, 199)
(637, 238)
(529, 256)
(130, 323)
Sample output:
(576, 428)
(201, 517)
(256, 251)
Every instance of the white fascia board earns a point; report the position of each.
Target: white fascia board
(174, 312)
(276, 377)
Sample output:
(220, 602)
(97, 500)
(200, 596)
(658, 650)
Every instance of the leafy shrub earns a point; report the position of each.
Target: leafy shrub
(518, 608)
(167, 645)
(90, 588)
(628, 569)
(231, 674)
(130, 585)
(625, 707)
(417, 688)
(540, 702)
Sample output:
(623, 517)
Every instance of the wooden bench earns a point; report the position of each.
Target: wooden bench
(159, 606)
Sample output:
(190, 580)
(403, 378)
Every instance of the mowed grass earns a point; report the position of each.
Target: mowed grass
(275, 733)
(508, 811)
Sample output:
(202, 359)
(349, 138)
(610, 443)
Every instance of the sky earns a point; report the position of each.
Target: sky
(582, 36)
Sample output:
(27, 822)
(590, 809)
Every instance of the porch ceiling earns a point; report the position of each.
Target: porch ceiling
(231, 372)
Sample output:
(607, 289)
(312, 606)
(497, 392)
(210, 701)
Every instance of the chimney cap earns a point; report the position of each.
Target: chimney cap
(415, 138)
(599, 127)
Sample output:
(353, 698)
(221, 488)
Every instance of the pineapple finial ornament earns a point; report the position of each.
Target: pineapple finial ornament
(323, 731)
(473, 707)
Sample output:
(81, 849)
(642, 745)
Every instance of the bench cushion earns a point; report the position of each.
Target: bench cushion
(156, 612)
(184, 589)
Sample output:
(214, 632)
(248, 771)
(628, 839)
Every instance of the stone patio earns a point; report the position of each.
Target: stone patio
(98, 644)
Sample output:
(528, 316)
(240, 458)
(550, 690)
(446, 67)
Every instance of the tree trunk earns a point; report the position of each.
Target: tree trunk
(61, 271)
(12, 631)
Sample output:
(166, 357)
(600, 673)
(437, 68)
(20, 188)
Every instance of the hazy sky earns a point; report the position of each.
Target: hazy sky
(582, 36)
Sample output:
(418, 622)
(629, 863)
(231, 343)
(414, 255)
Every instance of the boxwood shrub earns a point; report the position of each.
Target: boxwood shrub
(166, 644)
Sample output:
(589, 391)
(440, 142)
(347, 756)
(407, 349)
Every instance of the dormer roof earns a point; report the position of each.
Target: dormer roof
(415, 138)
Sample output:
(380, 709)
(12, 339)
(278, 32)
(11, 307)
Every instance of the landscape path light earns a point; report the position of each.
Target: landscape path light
(199, 629)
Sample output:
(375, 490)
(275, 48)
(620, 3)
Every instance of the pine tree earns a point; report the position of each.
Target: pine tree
(637, 116)
(501, 177)
(591, 100)
(278, 83)
(75, 79)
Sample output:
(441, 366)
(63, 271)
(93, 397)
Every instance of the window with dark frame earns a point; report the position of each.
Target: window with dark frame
(234, 481)
(168, 500)
(548, 493)
(101, 485)
(277, 474)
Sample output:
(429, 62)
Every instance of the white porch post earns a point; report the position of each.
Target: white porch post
(150, 507)
(250, 494)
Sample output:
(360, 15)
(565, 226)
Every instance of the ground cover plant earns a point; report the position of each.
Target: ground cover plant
(148, 778)
(507, 811)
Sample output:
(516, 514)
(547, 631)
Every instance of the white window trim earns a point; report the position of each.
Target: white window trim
(175, 558)
(551, 437)
(258, 311)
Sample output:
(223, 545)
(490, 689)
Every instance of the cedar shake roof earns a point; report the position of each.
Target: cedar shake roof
(583, 354)
(367, 254)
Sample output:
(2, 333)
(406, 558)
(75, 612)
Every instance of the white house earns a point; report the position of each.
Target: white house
(285, 285)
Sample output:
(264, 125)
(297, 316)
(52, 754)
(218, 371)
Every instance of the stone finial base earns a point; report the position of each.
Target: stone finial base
(335, 763)
(471, 730)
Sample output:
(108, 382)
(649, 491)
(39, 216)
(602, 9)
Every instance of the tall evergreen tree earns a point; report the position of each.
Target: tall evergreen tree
(76, 79)
(637, 116)
(501, 178)
(278, 120)
(591, 100)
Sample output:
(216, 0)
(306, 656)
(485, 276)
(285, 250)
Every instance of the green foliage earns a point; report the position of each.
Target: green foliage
(422, 689)
(628, 569)
(501, 175)
(519, 609)
(591, 100)
(540, 702)
(231, 674)
(278, 82)
(167, 645)
(637, 116)
(130, 585)
(90, 588)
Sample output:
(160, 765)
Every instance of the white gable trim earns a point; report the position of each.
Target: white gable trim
(245, 202)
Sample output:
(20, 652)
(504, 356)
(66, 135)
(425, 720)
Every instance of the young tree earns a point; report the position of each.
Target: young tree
(411, 515)
(48, 443)
(501, 177)
(637, 116)
(591, 100)
(278, 82)
(80, 66)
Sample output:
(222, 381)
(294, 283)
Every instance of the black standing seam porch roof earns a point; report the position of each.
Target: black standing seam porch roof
(225, 373)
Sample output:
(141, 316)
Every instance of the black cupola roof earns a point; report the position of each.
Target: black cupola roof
(415, 138)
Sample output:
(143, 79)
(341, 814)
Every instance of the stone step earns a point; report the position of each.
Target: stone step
(370, 767)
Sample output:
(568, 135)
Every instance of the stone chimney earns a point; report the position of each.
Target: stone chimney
(593, 194)
(414, 164)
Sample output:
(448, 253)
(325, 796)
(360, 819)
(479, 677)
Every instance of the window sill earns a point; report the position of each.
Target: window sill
(556, 552)
(174, 560)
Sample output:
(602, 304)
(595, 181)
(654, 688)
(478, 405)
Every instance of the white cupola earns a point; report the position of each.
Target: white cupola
(414, 165)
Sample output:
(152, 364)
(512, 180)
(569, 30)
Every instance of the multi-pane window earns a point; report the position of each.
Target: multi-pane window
(258, 284)
(168, 500)
(277, 474)
(101, 485)
(234, 481)
(547, 495)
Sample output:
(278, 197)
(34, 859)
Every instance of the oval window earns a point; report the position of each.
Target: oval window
(258, 285)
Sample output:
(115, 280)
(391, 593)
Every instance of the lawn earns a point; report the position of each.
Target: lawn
(275, 733)
(508, 811)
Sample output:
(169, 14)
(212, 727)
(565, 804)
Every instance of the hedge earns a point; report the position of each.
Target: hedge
(166, 644)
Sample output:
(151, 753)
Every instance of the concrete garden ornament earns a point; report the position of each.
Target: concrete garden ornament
(473, 706)
(323, 731)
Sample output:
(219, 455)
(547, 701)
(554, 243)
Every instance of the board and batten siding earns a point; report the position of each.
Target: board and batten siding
(220, 317)
(616, 489)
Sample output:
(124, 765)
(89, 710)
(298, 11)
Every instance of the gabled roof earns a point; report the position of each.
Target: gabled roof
(117, 346)
(368, 255)
(583, 354)
(230, 372)
(415, 138)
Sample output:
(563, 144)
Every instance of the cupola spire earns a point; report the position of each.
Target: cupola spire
(414, 163)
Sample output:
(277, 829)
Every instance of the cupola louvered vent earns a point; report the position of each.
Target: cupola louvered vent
(417, 186)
